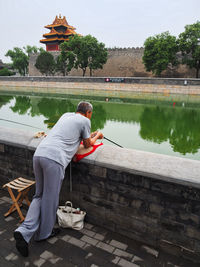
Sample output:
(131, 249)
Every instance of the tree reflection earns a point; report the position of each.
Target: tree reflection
(22, 104)
(98, 117)
(181, 127)
(155, 124)
(185, 136)
(4, 99)
(53, 108)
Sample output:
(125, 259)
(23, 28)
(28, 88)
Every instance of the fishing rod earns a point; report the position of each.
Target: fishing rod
(21, 123)
(42, 129)
(112, 141)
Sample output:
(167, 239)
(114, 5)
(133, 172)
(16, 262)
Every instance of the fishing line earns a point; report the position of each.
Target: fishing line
(21, 123)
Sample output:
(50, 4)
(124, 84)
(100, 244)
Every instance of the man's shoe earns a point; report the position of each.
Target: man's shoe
(54, 232)
(21, 244)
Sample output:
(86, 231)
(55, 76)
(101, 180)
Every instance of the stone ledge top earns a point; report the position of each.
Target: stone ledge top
(157, 166)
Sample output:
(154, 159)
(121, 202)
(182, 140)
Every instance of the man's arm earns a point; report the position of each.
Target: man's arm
(92, 139)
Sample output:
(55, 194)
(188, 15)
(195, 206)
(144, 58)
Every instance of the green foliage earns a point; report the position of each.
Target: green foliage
(179, 127)
(19, 60)
(20, 57)
(45, 63)
(160, 52)
(189, 46)
(65, 61)
(6, 72)
(87, 51)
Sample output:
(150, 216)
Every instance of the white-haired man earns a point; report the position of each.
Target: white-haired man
(51, 158)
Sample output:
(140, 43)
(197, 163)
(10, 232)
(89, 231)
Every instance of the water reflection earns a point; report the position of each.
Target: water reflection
(181, 127)
(178, 126)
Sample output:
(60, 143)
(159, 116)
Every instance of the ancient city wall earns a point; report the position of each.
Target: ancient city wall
(122, 62)
(148, 197)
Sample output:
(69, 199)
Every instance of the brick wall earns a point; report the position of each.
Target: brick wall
(148, 197)
(122, 62)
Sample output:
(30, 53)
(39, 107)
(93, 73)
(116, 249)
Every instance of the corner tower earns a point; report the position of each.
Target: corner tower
(60, 31)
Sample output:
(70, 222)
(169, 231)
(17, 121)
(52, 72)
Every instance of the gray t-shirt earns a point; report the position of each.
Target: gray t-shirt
(63, 140)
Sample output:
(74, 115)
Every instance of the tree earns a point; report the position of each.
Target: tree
(32, 50)
(20, 57)
(19, 60)
(98, 55)
(189, 46)
(45, 63)
(87, 51)
(65, 61)
(160, 52)
(6, 72)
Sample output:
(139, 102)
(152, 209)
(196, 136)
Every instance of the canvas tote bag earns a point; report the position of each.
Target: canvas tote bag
(68, 217)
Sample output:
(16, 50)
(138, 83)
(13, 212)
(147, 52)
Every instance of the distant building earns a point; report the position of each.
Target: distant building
(60, 32)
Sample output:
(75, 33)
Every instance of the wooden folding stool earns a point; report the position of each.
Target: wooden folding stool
(22, 186)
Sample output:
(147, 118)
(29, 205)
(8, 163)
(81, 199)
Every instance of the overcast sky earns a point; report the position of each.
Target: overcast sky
(120, 23)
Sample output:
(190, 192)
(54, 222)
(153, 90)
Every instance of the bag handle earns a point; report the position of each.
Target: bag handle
(68, 203)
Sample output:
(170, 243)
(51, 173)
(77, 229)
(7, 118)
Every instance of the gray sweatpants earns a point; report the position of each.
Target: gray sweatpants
(41, 215)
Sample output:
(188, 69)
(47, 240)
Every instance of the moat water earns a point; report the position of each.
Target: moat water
(167, 126)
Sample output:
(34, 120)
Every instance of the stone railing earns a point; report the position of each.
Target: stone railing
(126, 80)
(148, 197)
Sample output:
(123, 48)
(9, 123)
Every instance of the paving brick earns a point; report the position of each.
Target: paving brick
(122, 253)
(151, 251)
(116, 260)
(136, 258)
(125, 263)
(10, 256)
(6, 199)
(9, 218)
(46, 255)
(55, 260)
(52, 240)
(88, 232)
(39, 262)
(89, 240)
(118, 244)
(65, 238)
(99, 237)
(1, 232)
(105, 247)
(88, 255)
(88, 226)
(76, 242)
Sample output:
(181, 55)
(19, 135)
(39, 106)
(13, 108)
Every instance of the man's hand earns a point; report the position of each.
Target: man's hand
(91, 141)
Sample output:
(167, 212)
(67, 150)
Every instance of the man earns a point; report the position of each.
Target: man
(49, 162)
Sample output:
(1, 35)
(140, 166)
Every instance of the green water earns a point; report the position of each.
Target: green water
(160, 125)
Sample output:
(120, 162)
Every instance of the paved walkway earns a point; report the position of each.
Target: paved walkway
(93, 246)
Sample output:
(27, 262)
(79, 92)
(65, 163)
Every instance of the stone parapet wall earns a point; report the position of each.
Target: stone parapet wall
(148, 197)
(59, 85)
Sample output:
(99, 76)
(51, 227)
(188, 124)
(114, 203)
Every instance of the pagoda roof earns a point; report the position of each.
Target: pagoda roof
(53, 32)
(60, 31)
(53, 40)
(59, 21)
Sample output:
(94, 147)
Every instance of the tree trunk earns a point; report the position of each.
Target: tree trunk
(84, 70)
(197, 72)
(90, 72)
